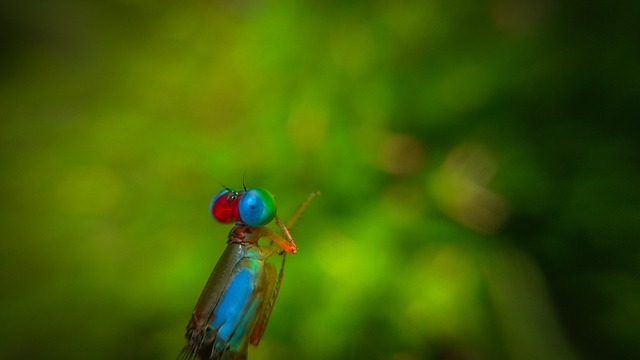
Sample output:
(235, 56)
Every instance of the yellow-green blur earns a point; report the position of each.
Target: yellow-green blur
(478, 164)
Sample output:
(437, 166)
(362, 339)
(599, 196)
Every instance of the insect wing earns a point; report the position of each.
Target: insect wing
(272, 282)
(217, 282)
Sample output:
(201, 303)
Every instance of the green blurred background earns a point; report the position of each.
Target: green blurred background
(478, 163)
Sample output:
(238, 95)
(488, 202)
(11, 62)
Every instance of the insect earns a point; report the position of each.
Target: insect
(235, 305)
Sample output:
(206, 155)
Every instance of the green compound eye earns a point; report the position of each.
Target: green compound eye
(257, 207)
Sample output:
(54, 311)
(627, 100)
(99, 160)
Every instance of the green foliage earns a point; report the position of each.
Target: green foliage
(477, 163)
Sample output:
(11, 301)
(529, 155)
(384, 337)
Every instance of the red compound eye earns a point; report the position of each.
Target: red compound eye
(224, 206)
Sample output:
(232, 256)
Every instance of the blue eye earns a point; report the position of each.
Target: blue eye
(257, 207)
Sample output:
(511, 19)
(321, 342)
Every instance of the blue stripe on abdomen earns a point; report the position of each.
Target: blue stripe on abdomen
(232, 307)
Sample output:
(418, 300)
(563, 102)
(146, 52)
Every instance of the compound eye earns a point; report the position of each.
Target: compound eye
(257, 207)
(224, 206)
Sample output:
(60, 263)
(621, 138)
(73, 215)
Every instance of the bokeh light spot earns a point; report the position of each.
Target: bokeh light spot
(519, 17)
(402, 154)
(460, 188)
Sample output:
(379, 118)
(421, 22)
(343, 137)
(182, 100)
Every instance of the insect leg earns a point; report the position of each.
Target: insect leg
(300, 209)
